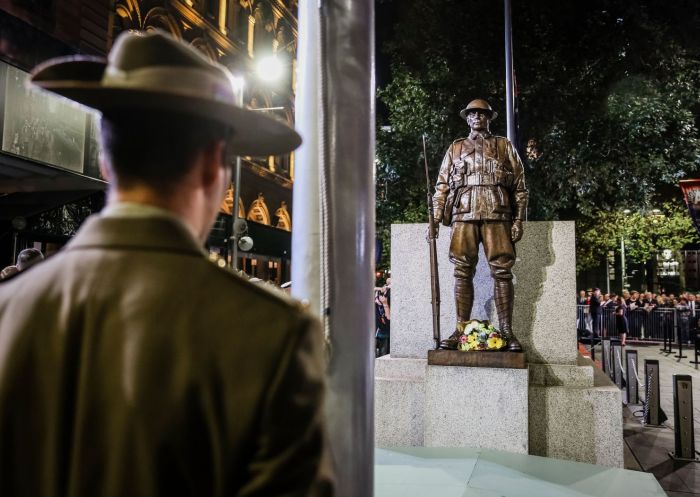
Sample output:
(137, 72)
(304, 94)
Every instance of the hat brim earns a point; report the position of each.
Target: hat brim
(255, 134)
(463, 113)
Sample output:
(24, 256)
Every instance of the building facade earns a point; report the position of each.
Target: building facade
(237, 33)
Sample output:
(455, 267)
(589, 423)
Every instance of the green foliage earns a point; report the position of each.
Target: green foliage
(646, 234)
(67, 218)
(608, 100)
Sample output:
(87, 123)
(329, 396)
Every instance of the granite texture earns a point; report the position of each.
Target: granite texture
(556, 375)
(544, 314)
(398, 412)
(579, 424)
(389, 366)
(476, 407)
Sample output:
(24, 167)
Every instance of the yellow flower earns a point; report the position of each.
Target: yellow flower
(495, 343)
(463, 347)
(471, 338)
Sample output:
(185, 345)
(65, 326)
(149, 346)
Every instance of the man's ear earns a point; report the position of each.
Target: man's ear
(105, 171)
(213, 161)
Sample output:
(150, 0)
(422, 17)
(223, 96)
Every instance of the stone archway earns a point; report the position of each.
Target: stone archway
(259, 212)
(160, 18)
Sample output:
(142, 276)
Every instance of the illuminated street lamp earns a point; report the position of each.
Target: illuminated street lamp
(270, 69)
(238, 83)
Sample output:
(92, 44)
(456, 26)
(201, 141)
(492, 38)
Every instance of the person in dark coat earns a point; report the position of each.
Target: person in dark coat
(621, 324)
(595, 312)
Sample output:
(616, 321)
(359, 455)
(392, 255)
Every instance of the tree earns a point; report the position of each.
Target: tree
(645, 234)
(608, 100)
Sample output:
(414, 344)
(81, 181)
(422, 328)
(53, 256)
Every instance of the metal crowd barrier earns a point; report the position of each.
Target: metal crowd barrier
(661, 324)
(653, 415)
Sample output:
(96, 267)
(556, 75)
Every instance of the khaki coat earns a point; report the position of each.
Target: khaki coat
(130, 365)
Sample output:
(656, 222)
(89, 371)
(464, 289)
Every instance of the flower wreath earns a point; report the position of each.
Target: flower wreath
(479, 335)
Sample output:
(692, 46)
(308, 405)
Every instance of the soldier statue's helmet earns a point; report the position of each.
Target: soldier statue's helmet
(478, 104)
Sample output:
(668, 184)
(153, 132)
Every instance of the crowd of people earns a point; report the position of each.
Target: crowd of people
(634, 312)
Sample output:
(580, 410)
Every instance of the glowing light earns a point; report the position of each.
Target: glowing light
(237, 82)
(270, 69)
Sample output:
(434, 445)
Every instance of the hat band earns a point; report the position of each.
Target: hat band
(173, 79)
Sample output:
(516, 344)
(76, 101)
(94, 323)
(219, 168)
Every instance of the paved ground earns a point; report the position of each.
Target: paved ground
(648, 447)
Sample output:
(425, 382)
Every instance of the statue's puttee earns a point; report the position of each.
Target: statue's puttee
(480, 192)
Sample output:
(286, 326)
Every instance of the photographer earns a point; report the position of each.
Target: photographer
(382, 318)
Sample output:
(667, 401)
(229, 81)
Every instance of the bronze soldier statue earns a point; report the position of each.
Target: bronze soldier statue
(481, 193)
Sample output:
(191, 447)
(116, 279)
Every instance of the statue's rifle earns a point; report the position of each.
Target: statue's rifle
(432, 236)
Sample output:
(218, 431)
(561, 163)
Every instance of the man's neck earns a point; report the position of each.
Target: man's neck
(180, 206)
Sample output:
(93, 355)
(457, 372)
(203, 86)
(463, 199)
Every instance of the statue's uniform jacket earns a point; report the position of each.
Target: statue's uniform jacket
(481, 179)
(479, 192)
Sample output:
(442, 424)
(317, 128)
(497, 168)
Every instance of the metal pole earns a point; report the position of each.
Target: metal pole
(510, 84)
(236, 195)
(632, 386)
(306, 232)
(15, 237)
(679, 335)
(348, 235)
(622, 262)
(616, 357)
(697, 344)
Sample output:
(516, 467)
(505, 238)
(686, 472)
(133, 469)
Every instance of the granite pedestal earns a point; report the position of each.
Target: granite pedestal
(484, 408)
(571, 414)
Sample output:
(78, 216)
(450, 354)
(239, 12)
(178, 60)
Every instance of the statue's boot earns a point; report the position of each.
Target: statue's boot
(503, 295)
(464, 300)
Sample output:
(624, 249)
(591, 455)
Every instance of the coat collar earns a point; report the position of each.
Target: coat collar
(147, 233)
(476, 134)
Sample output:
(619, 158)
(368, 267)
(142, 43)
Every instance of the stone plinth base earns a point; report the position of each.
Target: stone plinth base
(399, 402)
(450, 406)
(568, 412)
(483, 408)
(575, 413)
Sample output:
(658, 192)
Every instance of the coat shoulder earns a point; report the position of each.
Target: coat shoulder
(271, 295)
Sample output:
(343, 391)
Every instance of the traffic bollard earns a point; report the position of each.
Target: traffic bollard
(632, 386)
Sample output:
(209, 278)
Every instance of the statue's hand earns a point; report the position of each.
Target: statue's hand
(516, 231)
(436, 231)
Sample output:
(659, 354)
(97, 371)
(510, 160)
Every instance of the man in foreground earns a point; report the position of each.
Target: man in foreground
(130, 364)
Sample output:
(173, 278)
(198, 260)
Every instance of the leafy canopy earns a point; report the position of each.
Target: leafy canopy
(607, 93)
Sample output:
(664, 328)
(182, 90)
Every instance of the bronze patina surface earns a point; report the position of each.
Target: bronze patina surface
(480, 192)
(481, 359)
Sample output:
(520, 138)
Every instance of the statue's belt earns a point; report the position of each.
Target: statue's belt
(477, 180)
